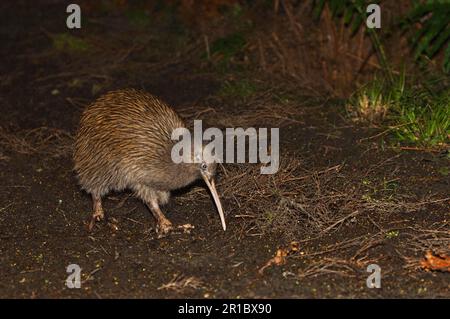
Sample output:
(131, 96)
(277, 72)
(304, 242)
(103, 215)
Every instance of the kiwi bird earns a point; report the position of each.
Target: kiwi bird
(124, 142)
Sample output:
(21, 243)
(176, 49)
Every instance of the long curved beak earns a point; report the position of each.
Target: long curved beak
(212, 188)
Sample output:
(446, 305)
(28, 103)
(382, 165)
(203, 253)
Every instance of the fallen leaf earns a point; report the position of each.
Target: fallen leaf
(280, 256)
(437, 262)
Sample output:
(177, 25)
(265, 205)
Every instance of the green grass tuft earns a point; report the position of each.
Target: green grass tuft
(416, 114)
(68, 43)
(424, 119)
(369, 104)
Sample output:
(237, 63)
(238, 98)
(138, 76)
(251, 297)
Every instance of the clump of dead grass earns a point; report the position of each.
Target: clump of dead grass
(321, 56)
(281, 201)
(307, 204)
(42, 140)
(258, 111)
(298, 202)
(181, 283)
(368, 108)
(421, 240)
(324, 55)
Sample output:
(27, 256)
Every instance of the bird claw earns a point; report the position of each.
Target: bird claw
(164, 228)
(96, 217)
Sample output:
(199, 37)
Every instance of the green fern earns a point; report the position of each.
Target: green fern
(433, 16)
(352, 11)
(432, 37)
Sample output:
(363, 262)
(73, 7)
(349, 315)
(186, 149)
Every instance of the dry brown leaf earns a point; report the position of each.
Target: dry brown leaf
(280, 256)
(435, 262)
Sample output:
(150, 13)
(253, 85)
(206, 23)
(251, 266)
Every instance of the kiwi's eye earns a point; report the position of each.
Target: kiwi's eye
(204, 166)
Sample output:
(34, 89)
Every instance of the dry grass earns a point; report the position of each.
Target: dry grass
(420, 240)
(368, 110)
(326, 266)
(322, 56)
(259, 111)
(299, 203)
(180, 283)
(42, 140)
(316, 205)
(283, 201)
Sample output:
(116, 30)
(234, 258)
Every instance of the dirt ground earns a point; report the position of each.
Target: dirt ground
(366, 202)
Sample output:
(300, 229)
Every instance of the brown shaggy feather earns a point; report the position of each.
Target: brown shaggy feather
(124, 141)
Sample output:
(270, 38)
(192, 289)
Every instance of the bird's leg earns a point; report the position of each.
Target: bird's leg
(98, 213)
(152, 199)
(163, 225)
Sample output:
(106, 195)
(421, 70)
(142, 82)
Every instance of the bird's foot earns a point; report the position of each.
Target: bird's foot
(97, 216)
(163, 228)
